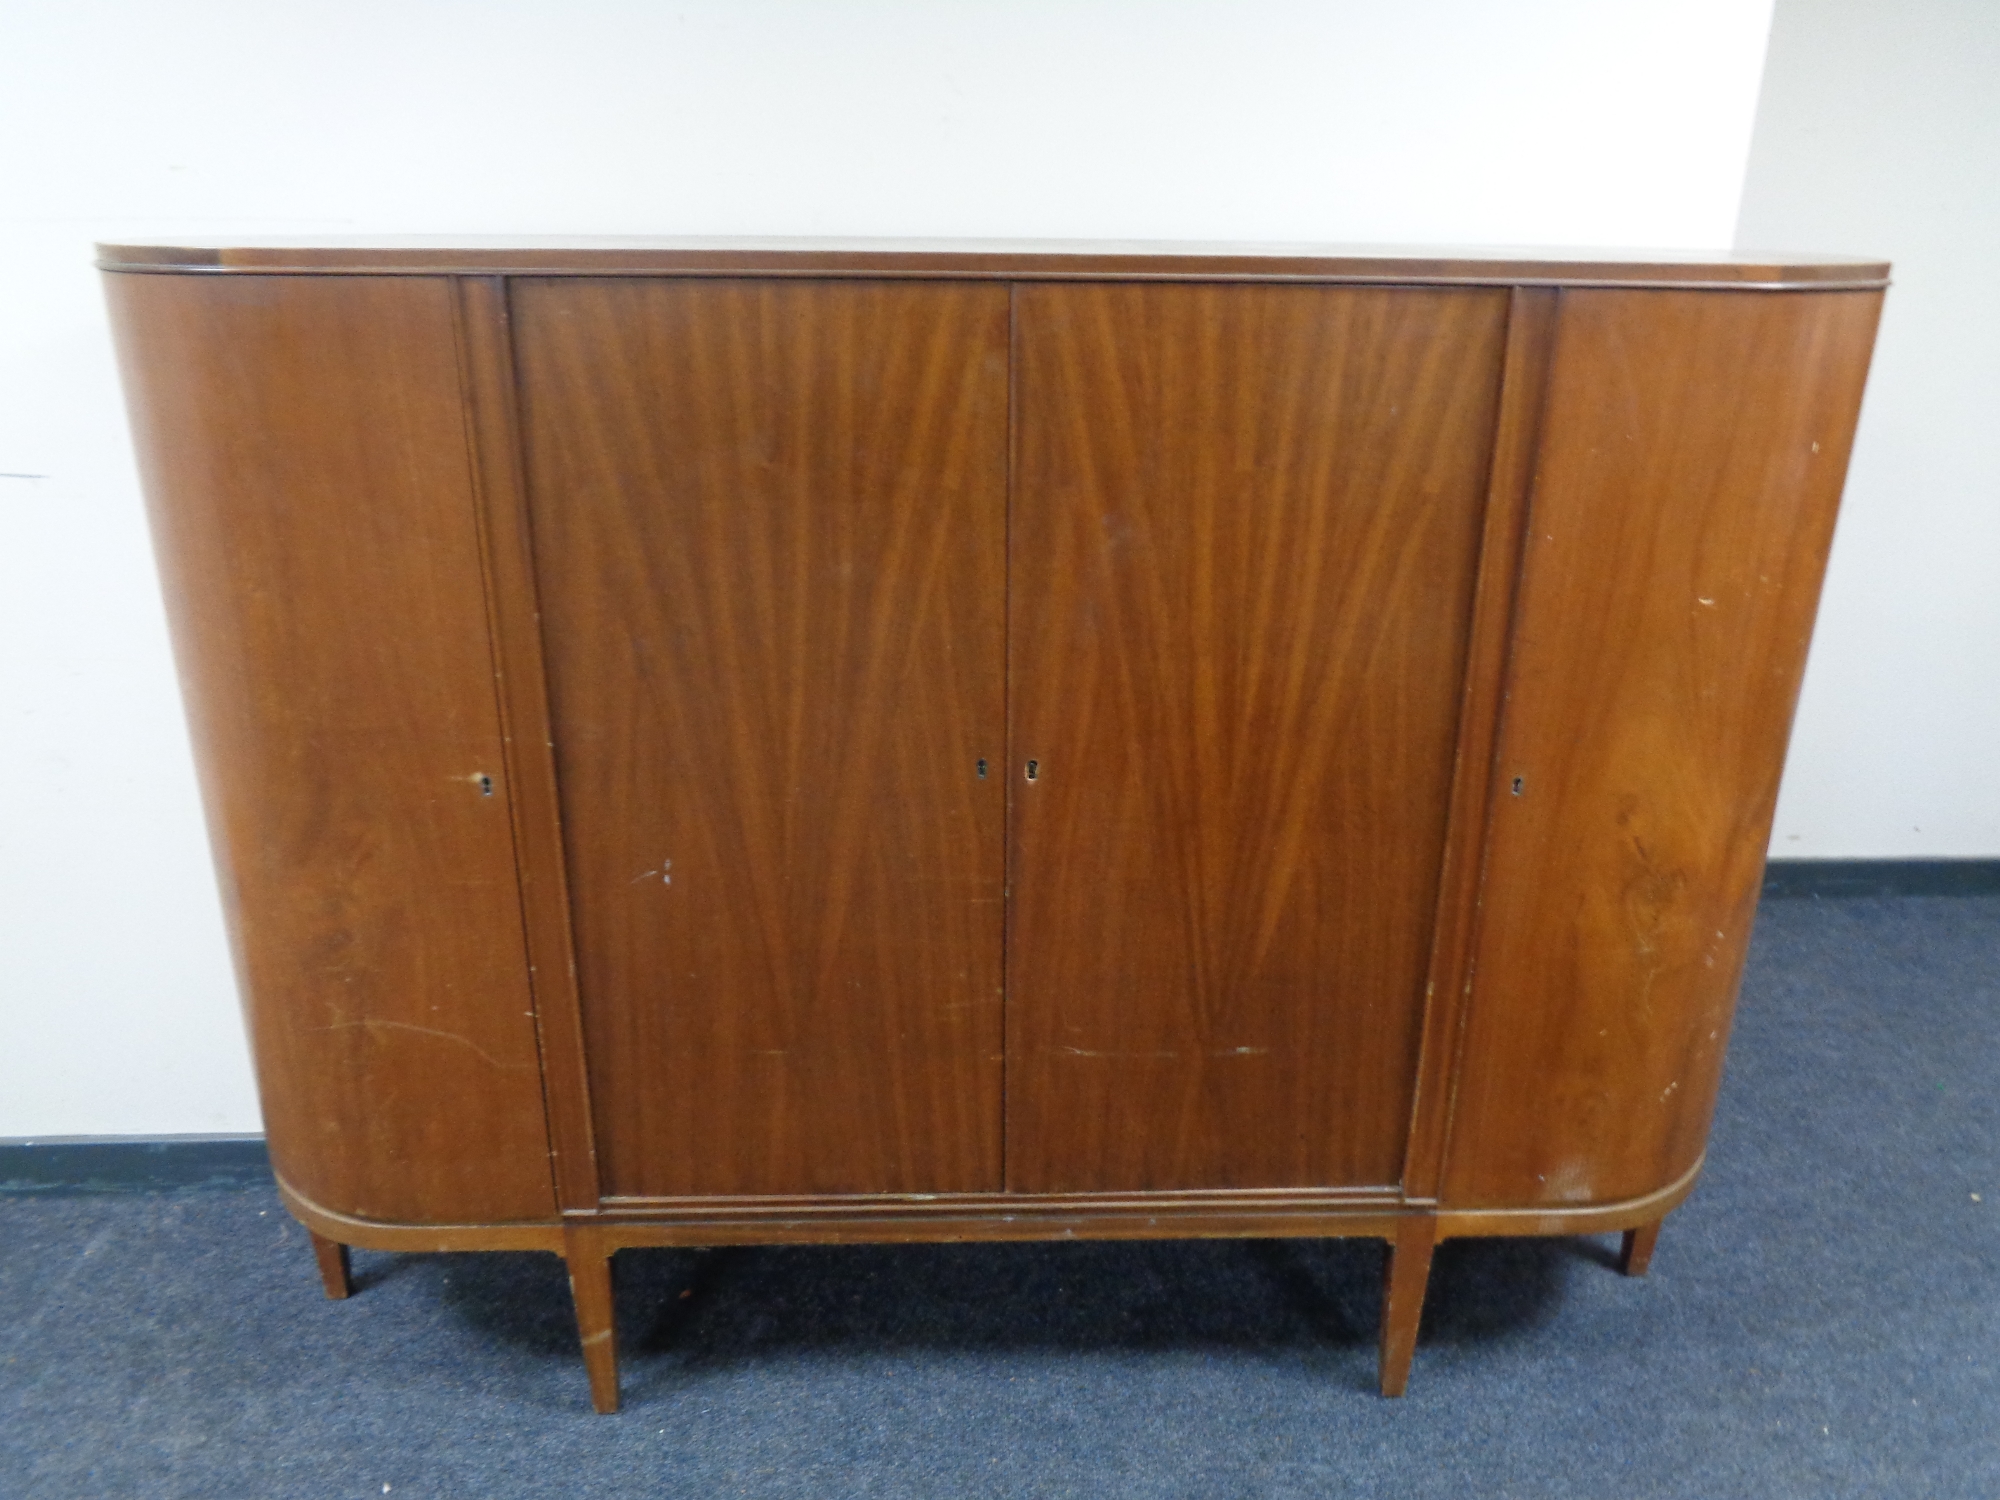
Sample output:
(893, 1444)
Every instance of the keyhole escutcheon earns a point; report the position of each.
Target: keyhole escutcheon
(1034, 769)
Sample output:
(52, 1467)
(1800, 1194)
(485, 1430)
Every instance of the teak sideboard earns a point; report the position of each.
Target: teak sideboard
(728, 743)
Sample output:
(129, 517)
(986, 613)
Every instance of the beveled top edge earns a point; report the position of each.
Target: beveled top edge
(1052, 259)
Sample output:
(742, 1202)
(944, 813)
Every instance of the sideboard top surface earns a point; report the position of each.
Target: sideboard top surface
(999, 259)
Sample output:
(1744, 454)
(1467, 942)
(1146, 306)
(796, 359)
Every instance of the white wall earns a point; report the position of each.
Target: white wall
(1543, 121)
(1879, 132)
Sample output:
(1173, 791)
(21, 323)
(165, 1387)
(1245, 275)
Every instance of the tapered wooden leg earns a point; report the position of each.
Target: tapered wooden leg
(1637, 1252)
(334, 1269)
(596, 1319)
(1404, 1279)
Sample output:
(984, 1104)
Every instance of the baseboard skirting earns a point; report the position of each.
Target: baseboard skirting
(119, 1164)
(1786, 879)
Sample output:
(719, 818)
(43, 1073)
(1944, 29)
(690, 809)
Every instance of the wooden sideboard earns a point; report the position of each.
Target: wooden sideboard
(733, 743)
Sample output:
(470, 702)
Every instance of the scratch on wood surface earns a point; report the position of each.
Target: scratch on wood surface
(1086, 1052)
(449, 1036)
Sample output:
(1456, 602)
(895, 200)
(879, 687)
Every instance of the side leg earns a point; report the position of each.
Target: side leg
(334, 1269)
(1404, 1280)
(596, 1318)
(1637, 1251)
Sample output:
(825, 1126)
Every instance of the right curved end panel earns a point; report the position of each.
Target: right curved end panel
(1692, 454)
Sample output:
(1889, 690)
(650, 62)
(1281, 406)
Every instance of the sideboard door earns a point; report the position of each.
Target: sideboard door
(769, 535)
(303, 444)
(1693, 449)
(1244, 534)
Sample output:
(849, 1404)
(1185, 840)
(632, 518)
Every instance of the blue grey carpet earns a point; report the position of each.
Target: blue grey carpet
(1820, 1321)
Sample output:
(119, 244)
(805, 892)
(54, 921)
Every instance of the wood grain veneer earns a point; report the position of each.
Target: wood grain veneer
(1003, 260)
(303, 450)
(486, 354)
(1531, 319)
(752, 742)
(1244, 532)
(769, 524)
(1693, 451)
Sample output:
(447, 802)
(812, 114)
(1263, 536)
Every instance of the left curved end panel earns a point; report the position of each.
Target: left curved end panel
(303, 449)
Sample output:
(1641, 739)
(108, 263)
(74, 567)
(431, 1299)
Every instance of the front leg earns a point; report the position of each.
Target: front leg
(1404, 1280)
(590, 1284)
